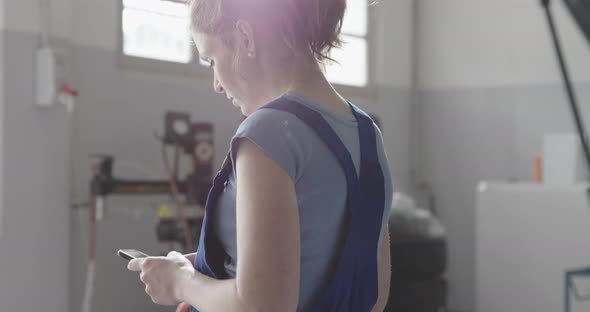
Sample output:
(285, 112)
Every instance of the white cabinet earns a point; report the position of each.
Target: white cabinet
(527, 236)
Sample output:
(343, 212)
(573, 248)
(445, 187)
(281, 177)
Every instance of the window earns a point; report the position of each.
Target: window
(159, 30)
(156, 29)
(352, 68)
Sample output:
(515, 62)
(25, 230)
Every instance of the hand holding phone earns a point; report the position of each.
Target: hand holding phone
(131, 254)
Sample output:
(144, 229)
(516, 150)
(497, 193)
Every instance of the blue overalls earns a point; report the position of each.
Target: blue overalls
(354, 286)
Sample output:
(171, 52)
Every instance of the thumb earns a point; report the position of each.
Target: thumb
(183, 307)
(174, 254)
(135, 265)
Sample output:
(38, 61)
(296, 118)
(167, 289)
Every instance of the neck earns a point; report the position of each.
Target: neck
(306, 78)
(310, 82)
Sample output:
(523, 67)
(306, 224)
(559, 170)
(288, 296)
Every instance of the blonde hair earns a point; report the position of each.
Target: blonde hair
(308, 26)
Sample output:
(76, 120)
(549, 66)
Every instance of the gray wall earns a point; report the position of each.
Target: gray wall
(482, 134)
(488, 89)
(501, 43)
(1, 119)
(34, 263)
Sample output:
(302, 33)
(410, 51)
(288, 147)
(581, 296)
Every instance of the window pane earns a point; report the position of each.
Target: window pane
(353, 67)
(157, 30)
(158, 6)
(355, 20)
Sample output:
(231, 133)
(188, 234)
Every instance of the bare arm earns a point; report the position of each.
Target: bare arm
(267, 277)
(384, 271)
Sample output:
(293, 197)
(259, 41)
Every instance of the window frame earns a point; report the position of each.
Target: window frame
(194, 70)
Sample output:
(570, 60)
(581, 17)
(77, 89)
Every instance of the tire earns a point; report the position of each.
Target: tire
(417, 295)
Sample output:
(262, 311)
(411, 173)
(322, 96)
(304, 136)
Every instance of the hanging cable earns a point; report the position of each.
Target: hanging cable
(568, 86)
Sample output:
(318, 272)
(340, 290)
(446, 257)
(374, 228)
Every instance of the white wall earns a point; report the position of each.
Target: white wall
(480, 43)
(544, 243)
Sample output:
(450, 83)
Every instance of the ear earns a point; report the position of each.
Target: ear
(245, 40)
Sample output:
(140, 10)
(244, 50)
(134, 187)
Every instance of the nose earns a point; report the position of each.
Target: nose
(217, 85)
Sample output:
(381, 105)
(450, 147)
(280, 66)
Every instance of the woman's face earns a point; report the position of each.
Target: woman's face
(226, 77)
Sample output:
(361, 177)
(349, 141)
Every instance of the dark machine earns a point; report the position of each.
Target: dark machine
(418, 260)
(192, 139)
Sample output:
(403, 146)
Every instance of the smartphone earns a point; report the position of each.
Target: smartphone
(131, 254)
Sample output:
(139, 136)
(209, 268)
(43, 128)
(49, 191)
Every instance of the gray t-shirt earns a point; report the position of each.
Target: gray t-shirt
(320, 186)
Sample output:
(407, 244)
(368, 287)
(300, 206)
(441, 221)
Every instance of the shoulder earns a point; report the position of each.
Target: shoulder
(269, 119)
(280, 135)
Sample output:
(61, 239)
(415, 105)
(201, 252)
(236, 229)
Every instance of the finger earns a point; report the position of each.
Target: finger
(183, 307)
(135, 265)
(154, 300)
(143, 278)
(174, 254)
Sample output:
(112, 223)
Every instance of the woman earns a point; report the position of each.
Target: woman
(303, 197)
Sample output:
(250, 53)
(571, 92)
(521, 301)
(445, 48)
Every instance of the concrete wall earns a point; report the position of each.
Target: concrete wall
(489, 88)
(46, 152)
